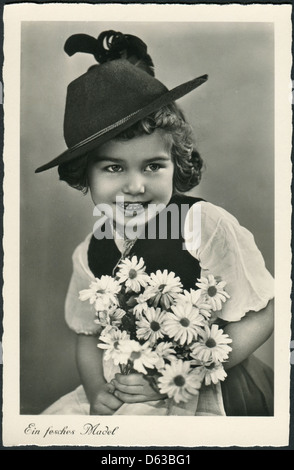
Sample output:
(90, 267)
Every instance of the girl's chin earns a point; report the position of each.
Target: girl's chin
(125, 221)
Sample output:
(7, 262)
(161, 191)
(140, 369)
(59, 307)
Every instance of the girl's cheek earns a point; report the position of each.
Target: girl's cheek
(97, 181)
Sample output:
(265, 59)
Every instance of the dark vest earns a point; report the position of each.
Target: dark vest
(158, 253)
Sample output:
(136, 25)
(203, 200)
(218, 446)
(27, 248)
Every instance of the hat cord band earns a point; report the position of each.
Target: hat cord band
(103, 131)
(173, 95)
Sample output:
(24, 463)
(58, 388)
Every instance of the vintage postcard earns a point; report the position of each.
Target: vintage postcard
(147, 225)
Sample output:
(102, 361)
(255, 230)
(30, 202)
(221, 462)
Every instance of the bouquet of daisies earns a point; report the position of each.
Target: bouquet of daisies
(151, 325)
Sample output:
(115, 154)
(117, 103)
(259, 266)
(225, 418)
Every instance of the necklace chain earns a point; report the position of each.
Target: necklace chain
(128, 245)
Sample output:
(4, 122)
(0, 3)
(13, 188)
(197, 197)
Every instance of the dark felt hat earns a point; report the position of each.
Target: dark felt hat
(111, 96)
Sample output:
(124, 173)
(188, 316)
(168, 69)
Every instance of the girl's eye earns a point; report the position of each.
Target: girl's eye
(113, 168)
(153, 167)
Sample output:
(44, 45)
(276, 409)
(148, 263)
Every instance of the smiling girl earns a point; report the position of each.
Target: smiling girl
(139, 170)
(130, 146)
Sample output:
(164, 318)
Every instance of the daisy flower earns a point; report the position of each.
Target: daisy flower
(102, 318)
(112, 342)
(184, 323)
(132, 273)
(142, 302)
(212, 346)
(195, 298)
(166, 288)
(213, 291)
(212, 373)
(165, 352)
(150, 326)
(178, 381)
(116, 315)
(141, 356)
(102, 292)
(111, 315)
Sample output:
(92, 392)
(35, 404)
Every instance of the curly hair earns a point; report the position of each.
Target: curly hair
(187, 161)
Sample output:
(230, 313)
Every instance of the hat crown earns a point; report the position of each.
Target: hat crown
(112, 96)
(88, 108)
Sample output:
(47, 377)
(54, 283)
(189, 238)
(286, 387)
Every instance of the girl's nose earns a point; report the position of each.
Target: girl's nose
(134, 185)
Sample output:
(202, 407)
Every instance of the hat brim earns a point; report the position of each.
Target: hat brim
(114, 129)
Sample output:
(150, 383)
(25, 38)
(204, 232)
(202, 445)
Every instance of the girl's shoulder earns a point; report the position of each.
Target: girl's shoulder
(209, 222)
(227, 249)
(211, 212)
(80, 256)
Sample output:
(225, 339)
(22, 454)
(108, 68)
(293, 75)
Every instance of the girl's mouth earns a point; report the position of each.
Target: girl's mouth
(132, 208)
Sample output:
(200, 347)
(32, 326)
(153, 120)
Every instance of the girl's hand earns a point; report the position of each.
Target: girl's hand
(105, 402)
(134, 388)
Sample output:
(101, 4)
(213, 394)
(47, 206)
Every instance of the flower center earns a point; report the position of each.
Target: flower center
(100, 291)
(135, 355)
(211, 366)
(185, 322)
(161, 287)
(210, 343)
(155, 326)
(212, 291)
(132, 273)
(179, 380)
(116, 344)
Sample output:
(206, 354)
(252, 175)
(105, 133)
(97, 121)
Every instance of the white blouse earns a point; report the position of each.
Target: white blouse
(223, 247)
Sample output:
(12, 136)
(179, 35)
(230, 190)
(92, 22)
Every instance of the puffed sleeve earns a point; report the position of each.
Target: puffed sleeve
(79, 315)
(226, 249)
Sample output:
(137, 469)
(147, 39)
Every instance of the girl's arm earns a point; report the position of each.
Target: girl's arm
(249, 333)
(90, 366)
(229, 250)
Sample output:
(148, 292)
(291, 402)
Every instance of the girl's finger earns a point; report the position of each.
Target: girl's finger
(133, 389)
(128, 398)
(130, 379)
(110, 387)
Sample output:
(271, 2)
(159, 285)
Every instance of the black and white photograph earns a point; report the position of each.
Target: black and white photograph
(147, 211)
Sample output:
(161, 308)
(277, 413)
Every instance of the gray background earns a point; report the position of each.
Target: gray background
(233, 118)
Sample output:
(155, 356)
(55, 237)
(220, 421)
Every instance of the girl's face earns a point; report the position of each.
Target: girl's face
(129, 175)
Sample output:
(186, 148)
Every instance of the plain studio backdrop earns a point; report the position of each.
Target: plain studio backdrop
(233, 118)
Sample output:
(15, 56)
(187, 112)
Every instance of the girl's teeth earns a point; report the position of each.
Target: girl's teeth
(131, 206)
